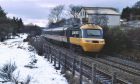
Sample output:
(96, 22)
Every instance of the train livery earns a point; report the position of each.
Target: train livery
(88, 37)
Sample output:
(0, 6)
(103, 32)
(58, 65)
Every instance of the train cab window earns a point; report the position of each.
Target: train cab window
(76, 33)
(95, 33)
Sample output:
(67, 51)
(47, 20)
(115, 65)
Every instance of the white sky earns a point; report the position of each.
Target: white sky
(36, 11)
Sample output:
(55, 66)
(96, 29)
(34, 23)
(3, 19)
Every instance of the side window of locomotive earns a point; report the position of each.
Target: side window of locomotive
(80, 34)
(68, 33)
(65, 33)
(75, 33)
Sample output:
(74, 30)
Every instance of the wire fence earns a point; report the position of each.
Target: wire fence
(70, 62)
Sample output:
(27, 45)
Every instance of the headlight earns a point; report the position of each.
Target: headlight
(101, 41)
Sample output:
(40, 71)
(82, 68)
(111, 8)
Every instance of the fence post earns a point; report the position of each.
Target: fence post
(80, 71)
(59, 60)
(51, 56)
(114, 81)
(73, 67)
(93, 73)
(55, 58)
(48, 56)
(49, 53)
(65, 63)
(44, 51)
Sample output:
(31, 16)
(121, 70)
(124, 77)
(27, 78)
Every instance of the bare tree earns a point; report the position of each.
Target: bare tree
(55, 13)
(74, 10)
(101, 20)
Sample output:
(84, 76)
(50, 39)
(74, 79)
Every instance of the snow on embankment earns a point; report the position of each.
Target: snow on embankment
(15, 50)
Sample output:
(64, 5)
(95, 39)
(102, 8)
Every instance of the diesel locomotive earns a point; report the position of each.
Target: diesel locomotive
(88, 37)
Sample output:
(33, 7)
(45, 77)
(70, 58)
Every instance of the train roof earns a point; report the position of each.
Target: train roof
(90, 26)
(56, 29)
(85, 26)
(59, 29)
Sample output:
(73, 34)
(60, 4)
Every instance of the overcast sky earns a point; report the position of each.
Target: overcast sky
(36, 11)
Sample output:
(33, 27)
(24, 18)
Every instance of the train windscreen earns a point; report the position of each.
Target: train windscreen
(95, 33)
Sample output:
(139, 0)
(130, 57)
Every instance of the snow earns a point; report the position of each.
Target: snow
(17, 51)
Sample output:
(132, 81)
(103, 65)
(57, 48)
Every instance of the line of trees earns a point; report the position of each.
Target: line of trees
(56, 20)
(31, 29)
(12, 26)
(131, 13)
(8, 26)
(55, 17)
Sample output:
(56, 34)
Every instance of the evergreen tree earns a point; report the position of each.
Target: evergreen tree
(126, 13)
(20, 23)
(8, 26)
(2, 13)
(131, 13)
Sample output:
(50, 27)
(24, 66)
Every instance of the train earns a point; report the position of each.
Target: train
(87, 37)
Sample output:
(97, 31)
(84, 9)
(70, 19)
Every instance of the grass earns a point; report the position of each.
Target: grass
(7, 70)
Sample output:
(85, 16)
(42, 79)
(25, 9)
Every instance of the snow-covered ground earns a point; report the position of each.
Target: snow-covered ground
(15, 50)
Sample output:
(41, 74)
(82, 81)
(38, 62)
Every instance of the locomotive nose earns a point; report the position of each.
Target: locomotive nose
(93, 45)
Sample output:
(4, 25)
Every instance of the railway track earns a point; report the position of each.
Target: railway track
(126, 72)
(127, 63)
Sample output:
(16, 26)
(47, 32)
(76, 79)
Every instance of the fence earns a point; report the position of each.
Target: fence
(70, 62)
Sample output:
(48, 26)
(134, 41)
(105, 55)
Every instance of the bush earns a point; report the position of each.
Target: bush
(32, 30)
(28, 80)
(32, 63)
(134, 35)
(37, 42)
(116, 40)
(7, 70)
(125, 42)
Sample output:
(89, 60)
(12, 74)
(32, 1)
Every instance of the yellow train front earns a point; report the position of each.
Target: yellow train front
(88, 37)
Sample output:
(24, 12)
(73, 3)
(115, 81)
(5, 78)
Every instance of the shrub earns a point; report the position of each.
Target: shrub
(7, 70)
(123, 41)
(6, 73)
(32, 62)
(28, 80)
(134, 35)
(37, 42)
(116, 40)
(15, 78)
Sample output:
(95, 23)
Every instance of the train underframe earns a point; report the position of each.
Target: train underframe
(74, 48)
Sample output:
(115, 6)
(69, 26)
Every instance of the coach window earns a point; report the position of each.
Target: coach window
(62, 33)
(57, 32)
(53, 32)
